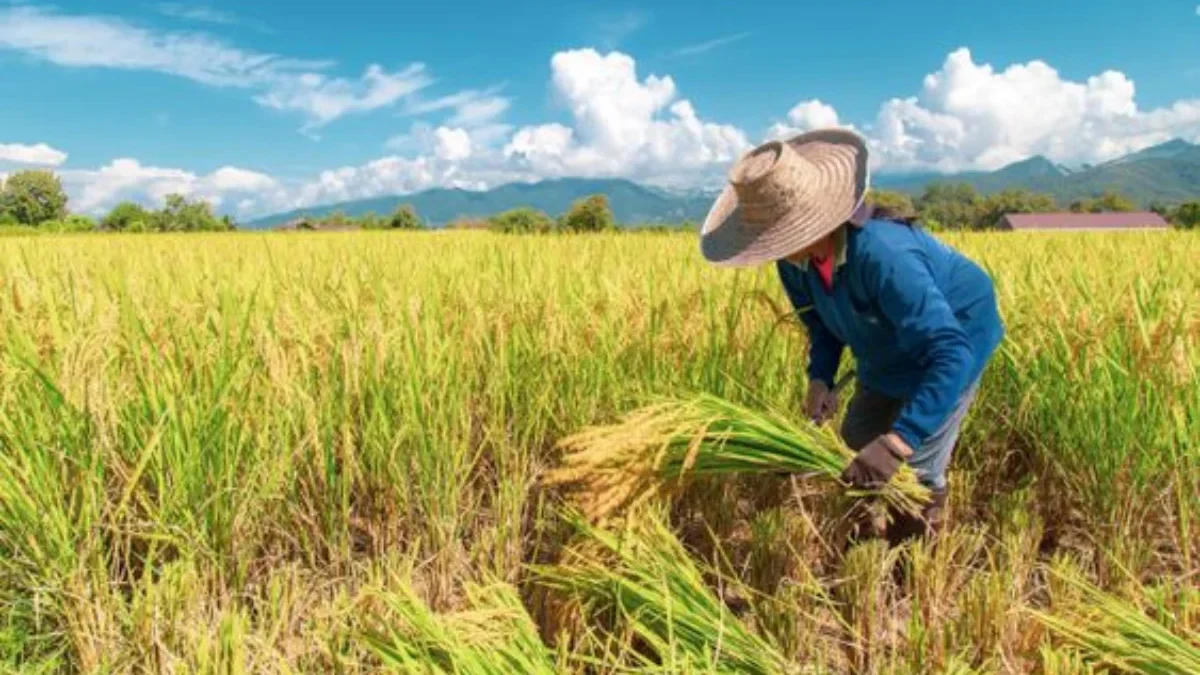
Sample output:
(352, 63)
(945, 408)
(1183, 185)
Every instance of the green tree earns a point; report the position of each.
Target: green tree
(893, 203)
(521, 221)
(371, 221)
(1186, 216)
(126, 216)
(33, 197)
(590, 214)
(337, 219)
(180, 215)
(1011, 201)
(949, 205)
(75, 223)
(1108, 201)
(405, 218)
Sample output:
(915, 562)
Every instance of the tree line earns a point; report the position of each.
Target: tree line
(589, 214)
(959, 206)
(36, 199)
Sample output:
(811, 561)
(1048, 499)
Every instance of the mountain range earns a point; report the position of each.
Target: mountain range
(1167, 173)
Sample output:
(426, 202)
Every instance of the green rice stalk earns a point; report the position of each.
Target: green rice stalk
(651, 449)
(643, 574)
(494, 637)
(1115, 633)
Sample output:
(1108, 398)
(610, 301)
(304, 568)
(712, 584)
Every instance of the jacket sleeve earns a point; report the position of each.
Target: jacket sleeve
(824, 348)
(926, 329)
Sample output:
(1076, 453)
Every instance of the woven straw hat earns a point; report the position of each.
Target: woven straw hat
(784, 196)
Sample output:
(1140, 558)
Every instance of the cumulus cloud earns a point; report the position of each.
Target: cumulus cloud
(623, 126)
(806, 116)
(969, 115)
(38, 154)
(965, 116)
(299, 85)
(619, 124)
(97, 190)
(452, 144)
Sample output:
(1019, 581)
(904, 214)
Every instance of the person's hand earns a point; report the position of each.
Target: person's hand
(877, 462)
(820, 404)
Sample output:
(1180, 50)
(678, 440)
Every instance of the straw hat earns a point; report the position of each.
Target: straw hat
(784, 196)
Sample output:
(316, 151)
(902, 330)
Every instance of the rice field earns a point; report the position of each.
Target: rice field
(263, 453)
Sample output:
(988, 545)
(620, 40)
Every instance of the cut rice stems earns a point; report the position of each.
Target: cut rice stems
(656, 447)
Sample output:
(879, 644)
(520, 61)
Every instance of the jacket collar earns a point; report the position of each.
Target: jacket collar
(859, 218)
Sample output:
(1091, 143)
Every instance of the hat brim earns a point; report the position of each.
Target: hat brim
(839, 158)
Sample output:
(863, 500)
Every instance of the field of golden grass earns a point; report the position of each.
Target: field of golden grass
(264, 453)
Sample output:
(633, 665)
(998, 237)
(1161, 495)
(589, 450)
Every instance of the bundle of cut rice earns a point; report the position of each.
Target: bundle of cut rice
(641, 573)
(621, 465)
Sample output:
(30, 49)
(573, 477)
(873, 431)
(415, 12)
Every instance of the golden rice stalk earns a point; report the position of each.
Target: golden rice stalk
(621, 465)
(1116, 633)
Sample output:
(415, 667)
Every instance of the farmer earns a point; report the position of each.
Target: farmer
(919, 318)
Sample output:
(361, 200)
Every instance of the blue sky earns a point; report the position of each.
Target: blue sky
(276, 105)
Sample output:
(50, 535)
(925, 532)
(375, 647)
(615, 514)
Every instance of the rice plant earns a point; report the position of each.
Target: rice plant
(627, 463)
(1113, 632)
(642, 573)
(216, 449)
(494, 636)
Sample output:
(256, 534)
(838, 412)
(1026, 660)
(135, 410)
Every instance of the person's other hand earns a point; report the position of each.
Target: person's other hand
(820, 404)
(877, 462)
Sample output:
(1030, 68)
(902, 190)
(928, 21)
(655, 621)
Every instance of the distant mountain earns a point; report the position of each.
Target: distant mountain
(1032, 174)
(1172, 148)
(1166, 173)
(631, 203)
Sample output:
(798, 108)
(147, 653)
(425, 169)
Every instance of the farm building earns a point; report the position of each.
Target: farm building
(1144, 220)
(300, 224)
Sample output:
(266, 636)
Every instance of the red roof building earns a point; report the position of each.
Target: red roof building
(1145, 220)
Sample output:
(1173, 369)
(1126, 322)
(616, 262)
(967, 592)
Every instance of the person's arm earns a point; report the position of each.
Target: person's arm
(825, 349)
(927, 328)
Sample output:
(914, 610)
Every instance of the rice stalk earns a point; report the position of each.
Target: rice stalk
(643, 574)
(495, 636)
(1114, 632)
(652, 449)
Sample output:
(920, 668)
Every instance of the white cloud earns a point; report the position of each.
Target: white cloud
(198, 13)
(38, 154)
(966, 115)
(471, 108)
(95, 191)
(971, 116)
(281, 83)
(704, 47)
(613, 28)
(480, 111)
(623, 126)
(806, 116)
(324, 99)
(233, 179)
(452, 144)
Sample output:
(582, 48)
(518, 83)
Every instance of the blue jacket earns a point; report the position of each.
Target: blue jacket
(919, 317)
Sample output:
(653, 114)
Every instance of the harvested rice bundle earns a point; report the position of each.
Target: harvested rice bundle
(495, 636)
(1113, 632)
(641, 573)
(624, 464)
